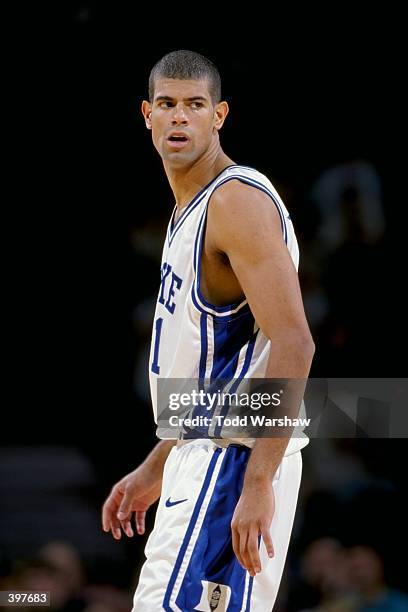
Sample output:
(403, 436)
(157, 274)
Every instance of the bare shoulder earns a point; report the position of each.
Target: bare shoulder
(241, 210)
(235, 194)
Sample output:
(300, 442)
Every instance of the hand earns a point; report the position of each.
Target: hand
(253, 517)
(134, 493)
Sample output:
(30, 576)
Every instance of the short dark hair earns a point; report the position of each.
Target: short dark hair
(185, 64)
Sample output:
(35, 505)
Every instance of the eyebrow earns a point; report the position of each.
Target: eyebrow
(192, 99)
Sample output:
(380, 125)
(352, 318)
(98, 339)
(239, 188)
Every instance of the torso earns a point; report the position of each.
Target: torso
(202, 328)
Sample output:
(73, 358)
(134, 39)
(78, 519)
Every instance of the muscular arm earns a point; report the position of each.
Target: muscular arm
(243, 223)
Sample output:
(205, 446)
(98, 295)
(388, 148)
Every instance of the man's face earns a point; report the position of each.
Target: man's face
(183, 119)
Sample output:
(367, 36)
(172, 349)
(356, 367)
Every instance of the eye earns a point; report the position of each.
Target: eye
(196, 105)
(165, 104)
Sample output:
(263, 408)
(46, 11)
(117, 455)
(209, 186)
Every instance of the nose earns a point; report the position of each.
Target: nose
(179, 115)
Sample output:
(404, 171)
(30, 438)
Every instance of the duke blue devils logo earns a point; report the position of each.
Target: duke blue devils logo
(215, 597)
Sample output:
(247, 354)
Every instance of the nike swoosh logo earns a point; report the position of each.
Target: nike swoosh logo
(169, 503)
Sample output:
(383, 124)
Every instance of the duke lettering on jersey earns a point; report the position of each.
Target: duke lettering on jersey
(170, 282)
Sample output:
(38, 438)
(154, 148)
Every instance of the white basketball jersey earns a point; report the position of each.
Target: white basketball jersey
(193, 339)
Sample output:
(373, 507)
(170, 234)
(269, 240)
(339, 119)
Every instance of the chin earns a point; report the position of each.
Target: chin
(178, 159)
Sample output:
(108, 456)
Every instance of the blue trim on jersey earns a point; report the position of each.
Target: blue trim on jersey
(225, 367)
(250, 585)
(190, 529)
(248, 358)
(197, 241)
(234, 387)
(229, 338)
(220, 316)
(171, 223)
(204, 346)
(213, 557)
(191, 206)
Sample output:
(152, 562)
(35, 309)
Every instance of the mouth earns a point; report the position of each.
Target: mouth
(177, 140)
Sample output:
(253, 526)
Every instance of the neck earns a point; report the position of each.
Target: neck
(186, 182)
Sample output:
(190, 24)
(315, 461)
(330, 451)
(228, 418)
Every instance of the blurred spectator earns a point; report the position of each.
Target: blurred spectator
(58, 568)
(99, 607)
(65, 559)
(37, 574)
(335, 466)
(348, 196)
(335, 579)
(366, 577)
(343, 262)
(325, 578)
(106, 598)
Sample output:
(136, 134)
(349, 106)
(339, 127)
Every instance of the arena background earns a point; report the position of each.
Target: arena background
(316, 107)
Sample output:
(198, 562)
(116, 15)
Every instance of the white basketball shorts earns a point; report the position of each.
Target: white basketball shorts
(190, 564)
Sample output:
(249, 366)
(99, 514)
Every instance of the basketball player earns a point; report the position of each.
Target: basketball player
(229, 305)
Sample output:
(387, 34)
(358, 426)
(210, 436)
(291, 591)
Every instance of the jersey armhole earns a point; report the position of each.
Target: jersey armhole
(236, 308)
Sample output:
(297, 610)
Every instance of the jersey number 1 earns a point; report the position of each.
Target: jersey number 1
(155, 362)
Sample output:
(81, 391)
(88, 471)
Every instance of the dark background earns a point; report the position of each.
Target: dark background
(90, 203)
(302, 99)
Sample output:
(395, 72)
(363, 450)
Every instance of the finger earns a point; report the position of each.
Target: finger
(266, 536)
(127, 528)
(245, 561)
(110, 507)
(108, 510)
(115, 529)
(125, 507)
(235, 542)
(253, 552)
(105, 518)
(140, 521)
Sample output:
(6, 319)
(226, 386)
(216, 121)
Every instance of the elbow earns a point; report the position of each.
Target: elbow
(307, 345)
(310, 348)
(305, 342)
(302, 345)
(298, 342)
(303, 351)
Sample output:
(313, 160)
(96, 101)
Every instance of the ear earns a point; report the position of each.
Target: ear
(146, 109)
(220, 112)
